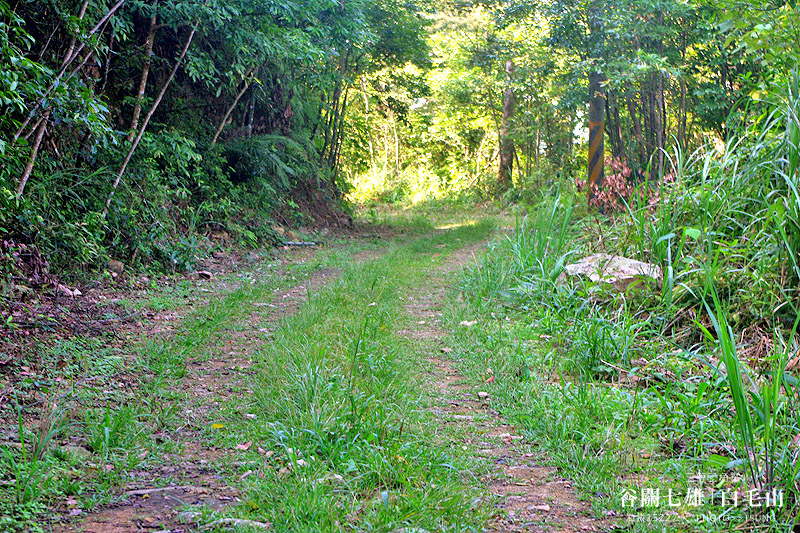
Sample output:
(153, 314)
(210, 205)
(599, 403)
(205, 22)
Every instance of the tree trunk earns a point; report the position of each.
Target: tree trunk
(682, 111)
(570, 138)
(149, 116)
(635, 126)
(505, 168)
(41, 125)
(661, 112)
(682, 115)
(251, 116)
(23, 180)
(597, 103)
(233, 106)
(660, 116)
(611, 127)
(396, 146)
(107, 62)
(596, 162)
(74, 53)
(648, 117)
(74, 39)
(362, 80)
(337, 144)
(385, 150)
(148, 59)
(331, 130)
(614, 125)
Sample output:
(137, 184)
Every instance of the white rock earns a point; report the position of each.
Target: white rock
(617, 271)
(63, 289)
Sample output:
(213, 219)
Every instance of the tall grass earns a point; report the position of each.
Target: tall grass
(726, 233)
(766, 407)
(529, 262)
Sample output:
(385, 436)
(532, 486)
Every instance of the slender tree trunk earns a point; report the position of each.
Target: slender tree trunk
(478, 155)
(251, 116)
(337, 146)
(648, 119)
(331, 130)
(73, 40)
(597, 102)
(66, 63)
(148, 60)
(319, 118)
(570, 139)
(385, 150)
(612, 139)
(363, 83)
(396, 146)
(37, 142)
(149, 115)
(660, 124)
(330, 116)
(548, 142)
(505, 168)
(41, 125)
(224, 121)
(661, 111)
(682, 115)
(107, 63)
(635, 126)
(47, 43)
(596, 167)
(682, 104)
(618, 127)
(614, 126)
(334, 124)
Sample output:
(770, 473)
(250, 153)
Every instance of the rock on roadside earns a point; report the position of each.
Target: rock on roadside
(617, 271)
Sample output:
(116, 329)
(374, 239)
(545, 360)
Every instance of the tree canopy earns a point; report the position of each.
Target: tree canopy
(189, 116)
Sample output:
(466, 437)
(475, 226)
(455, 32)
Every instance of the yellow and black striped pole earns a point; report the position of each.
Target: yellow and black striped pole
(596, 160)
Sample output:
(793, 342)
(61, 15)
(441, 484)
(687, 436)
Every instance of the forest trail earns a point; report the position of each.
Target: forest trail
(152, 501)
(206, 484)
(528, 494)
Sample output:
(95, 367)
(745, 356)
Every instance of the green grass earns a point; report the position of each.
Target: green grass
(607, 386)
(332, 389)
(337, 404)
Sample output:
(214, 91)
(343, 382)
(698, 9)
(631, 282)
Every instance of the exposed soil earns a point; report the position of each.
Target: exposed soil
(147, 504)
(42, 315)
(530, 496)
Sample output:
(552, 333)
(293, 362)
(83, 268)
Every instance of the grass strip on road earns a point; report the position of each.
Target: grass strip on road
(334, 434)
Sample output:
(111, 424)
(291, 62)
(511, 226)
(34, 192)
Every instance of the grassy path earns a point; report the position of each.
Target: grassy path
(334, 397)
(309, 415)
(523, 492)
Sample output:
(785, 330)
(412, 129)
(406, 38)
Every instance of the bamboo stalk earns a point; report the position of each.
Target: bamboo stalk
(148, 60)
(233, 105)
(149, 115)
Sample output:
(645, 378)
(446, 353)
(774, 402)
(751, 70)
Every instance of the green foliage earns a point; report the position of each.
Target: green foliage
(253, 117)
(722, 231)
(273, 160)
(766, 30)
